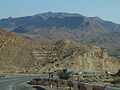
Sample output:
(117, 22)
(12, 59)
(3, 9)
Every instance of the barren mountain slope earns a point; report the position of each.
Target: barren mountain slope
(19, 55)
(50, 26)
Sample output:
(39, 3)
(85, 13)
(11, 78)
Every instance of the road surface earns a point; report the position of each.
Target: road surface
(8, 83)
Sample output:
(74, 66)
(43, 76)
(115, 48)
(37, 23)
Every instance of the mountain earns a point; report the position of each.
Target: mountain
(107, 25)
(20, 29)
(51, 26)
(22, 56)
(60, 20)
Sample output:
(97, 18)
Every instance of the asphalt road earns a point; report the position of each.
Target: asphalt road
(9, 83)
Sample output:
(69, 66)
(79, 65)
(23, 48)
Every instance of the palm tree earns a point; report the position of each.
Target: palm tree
(62, 75)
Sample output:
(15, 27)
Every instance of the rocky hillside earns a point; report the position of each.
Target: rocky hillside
(19, 55)
(93, 35)
(51, 26)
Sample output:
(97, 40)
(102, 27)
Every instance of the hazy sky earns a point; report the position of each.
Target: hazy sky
(106, 9)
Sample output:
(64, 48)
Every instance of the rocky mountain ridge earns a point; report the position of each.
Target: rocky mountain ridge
(60, 20)
(19, 55)
(52, 26)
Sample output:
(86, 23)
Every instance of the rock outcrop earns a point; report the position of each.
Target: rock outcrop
(19, 55)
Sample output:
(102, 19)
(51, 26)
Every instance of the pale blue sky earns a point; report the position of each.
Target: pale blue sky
(106, 9)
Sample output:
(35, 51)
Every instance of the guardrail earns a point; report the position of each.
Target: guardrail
(71, 85)
(93, 74)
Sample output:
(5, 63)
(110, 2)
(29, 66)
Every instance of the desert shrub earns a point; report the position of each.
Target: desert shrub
(70, 84)
(117, 81)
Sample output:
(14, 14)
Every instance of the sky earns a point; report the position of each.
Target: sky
(106, 9)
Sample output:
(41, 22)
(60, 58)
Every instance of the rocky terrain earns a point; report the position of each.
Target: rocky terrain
(97, 82)
(102, 80)
(22, 56)
(51, 26)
